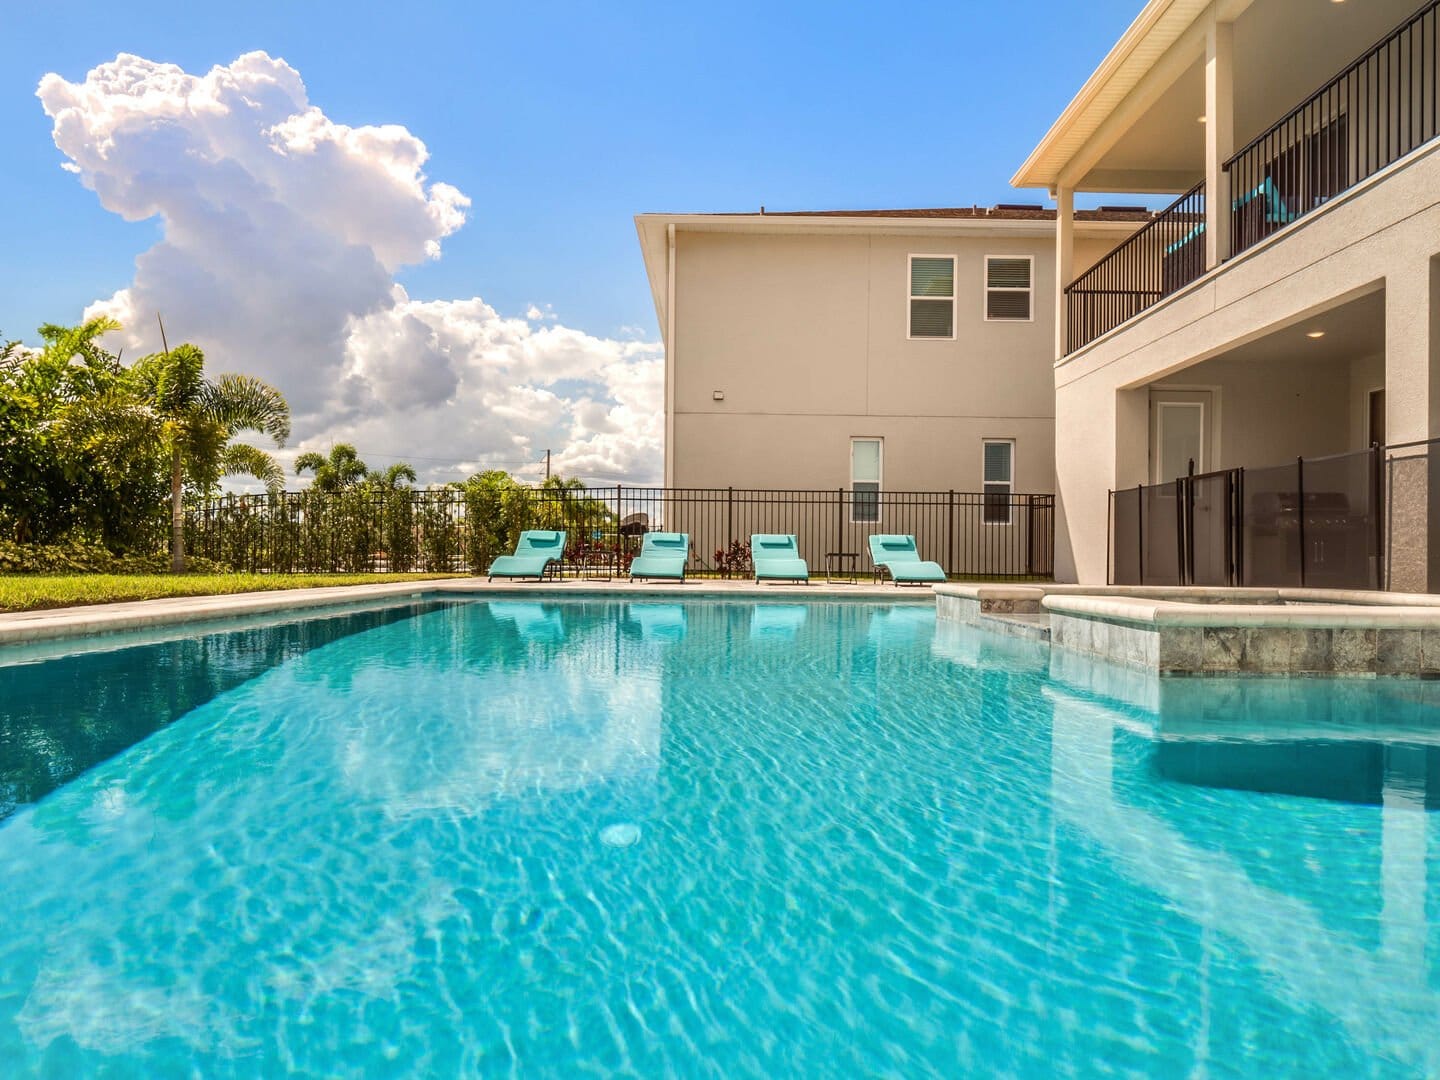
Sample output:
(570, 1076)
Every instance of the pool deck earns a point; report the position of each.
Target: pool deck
(1205, 631)
(24, 627)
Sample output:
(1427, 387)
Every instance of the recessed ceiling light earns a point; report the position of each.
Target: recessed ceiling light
(1316, 333)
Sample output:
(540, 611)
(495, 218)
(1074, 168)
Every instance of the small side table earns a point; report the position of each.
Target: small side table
(842, 566)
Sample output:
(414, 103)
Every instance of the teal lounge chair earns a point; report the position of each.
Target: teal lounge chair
(537, 550)
(662, 555)
(776, 557)
(898, 555)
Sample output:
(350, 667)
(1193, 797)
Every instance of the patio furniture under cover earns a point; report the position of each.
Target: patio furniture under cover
(536, 551)
(662, 555)
(898, 554)
(776, 557)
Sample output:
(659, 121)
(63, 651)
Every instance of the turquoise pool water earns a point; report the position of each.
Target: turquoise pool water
(548, 839)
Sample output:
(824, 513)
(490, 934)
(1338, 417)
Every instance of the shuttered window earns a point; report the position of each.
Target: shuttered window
(999, 480)
(865, 479)
(932, 296)
(1007, 287)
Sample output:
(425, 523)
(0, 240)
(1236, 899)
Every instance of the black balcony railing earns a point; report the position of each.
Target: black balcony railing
(1383, 106)
(1164, 255)
(462, 530)
(1380, 108)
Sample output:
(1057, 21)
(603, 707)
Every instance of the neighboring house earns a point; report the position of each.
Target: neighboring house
(1289, 303)
(888, 350)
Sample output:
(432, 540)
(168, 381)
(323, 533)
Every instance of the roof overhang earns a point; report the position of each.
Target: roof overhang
(1155, 51)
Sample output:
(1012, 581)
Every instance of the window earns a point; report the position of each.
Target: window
(865, 479)
(1007, 288)
(932, 296)
(999, 481)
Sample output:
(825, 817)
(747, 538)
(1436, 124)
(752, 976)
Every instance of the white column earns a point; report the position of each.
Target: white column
(1219, 137)
(668, 330)
(1064, 263)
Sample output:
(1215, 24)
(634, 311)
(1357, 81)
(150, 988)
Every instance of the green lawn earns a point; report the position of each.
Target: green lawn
(29, 592)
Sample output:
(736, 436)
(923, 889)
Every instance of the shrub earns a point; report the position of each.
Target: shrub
(82, 557)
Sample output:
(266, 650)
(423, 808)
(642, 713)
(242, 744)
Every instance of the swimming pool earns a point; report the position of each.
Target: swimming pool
(472, 837)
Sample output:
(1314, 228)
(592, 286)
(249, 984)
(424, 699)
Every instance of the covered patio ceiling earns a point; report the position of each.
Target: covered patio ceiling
(1137, 124)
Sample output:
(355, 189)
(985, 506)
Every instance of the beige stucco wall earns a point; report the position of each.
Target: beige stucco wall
(806, 336)
(1269, 413)
(1384, 234)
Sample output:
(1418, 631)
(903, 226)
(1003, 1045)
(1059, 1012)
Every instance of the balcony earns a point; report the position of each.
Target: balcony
(1379, 108)
(1164, 256)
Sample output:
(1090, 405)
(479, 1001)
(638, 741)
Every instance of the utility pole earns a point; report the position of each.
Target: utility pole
(547, 464)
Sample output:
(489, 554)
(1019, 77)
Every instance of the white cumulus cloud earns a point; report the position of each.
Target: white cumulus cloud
(282, 234)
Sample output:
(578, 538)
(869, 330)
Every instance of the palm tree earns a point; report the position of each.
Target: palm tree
(199, 417)
(340, 470)
(395, 478)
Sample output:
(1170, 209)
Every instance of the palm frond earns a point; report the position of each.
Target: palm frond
(245, 403)
(242, 459)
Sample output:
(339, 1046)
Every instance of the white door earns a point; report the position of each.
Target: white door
(1181, 431)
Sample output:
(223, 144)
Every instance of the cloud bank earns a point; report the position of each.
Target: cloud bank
(282, 234)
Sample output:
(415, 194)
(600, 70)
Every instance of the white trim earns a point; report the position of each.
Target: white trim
(879, 478)
(1010, 494)
(986, 290)
(910, 294)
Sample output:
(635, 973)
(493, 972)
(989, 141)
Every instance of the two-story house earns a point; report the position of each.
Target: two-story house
(869, 351)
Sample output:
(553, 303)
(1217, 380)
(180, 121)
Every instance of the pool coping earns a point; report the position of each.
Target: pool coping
(1199, 631)
(26, 627)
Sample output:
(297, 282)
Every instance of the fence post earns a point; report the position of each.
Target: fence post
(1188, 570)
(1239, 528)
(1109, 535)
(1377, 507)
(1300, 512)
(729, 517)
(1140, 531)
(1181, 487)
(840, 519)
(615, 547)
(1030, 536)
(950, 532)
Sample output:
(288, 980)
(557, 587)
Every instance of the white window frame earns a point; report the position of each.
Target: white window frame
(954, 294)
(1010, 494)
(985, 289)
(879, 479)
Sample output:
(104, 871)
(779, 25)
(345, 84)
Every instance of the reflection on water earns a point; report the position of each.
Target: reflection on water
(1369, 741)
(531, 619)
(59, 718)
(657, 622)
(777, 622)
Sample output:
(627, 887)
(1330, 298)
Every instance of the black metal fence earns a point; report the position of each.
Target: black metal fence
(1313, 523)
(462, 530)
(1380, 108)
(1163, 256)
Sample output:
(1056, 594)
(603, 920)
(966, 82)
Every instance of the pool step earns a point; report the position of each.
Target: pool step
(1035, 626)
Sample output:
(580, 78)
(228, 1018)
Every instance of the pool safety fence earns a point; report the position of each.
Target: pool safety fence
(1322, 522)
(970, 534)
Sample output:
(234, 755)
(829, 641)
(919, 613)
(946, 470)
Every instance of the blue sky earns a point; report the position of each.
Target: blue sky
(560, 121)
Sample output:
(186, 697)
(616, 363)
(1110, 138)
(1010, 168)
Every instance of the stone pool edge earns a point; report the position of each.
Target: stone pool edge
(28, 627)
(1204, 631)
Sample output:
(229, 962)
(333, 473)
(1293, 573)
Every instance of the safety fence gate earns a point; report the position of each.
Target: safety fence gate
(1316, 523)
